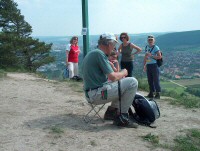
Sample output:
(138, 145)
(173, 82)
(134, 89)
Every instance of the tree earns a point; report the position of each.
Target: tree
(17, 46)
(7, 42)
(7, 53)
(35, 53)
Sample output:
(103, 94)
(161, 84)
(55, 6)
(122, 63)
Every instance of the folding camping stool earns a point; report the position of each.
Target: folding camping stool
(95, 109)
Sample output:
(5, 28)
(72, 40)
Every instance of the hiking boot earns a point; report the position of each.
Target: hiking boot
(78, 78)
(150, 95)
(123, 121)
(110, 113)
(73, 78)
(157, 96)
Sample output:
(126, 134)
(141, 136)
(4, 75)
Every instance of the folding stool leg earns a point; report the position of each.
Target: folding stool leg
(87, 119)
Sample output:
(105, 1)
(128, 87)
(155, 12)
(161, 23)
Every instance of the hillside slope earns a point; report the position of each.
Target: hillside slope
(179, 40)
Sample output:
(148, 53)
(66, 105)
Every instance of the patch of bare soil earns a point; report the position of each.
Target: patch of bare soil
(38, 115)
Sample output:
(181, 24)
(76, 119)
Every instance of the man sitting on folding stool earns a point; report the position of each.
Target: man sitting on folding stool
(96, 71)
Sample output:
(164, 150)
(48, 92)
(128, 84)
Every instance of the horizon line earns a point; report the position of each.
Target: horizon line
(115, 33)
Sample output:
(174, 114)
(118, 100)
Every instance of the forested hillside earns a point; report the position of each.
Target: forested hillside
(180, 40)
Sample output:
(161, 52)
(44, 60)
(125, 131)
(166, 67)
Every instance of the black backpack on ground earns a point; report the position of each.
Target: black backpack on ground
(159, 61)
(146, 111)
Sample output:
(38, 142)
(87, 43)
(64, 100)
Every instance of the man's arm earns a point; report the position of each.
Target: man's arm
(117, 66)
(115, 76)
(113, 67)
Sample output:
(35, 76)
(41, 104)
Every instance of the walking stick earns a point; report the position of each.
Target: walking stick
(119, 93)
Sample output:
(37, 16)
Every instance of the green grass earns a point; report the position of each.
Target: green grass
(16, 69)
(188, 82)
(178, 93)
(75, 86)
(40, 75)
(56, 130)
(188, 142)
(2, 73)
(166, 85)
(195, 86)
(93, 143)
(153, 139)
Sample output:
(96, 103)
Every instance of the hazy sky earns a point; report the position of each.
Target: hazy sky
(63, 17)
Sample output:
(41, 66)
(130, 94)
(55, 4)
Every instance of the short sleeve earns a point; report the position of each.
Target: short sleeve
(104, 64)
(68, 47)
(156, 49)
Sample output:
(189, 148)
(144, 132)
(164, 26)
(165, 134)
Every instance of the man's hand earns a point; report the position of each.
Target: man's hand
(115, 76)
(112, 65)
(125, 72)
(114, 61)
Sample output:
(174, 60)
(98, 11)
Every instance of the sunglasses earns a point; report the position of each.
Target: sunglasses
(75, 39)
(150, 39)
(123, 37)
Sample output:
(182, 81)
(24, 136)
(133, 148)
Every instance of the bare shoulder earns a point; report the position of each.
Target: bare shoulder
(133, 45)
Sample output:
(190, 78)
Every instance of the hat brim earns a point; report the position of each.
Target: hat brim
(114, 40)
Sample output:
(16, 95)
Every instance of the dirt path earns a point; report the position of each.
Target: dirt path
(38, 115)
(177, 84)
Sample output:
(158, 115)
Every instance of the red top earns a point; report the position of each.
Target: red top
(73, 54)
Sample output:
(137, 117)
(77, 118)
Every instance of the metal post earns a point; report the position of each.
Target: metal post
(85, 26)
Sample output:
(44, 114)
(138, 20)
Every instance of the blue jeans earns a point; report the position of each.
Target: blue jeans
(128, 66)
(153, 75)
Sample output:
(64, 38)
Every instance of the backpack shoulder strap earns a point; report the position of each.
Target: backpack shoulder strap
(152, 126)
(152, 48)
(146, 48)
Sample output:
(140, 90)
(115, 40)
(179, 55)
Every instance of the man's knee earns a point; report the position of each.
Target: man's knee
(130, 82)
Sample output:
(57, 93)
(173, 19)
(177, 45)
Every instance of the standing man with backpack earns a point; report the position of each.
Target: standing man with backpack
(96, 72)
(151, 66)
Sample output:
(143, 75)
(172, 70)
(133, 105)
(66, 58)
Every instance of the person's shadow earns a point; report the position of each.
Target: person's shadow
(72, 121)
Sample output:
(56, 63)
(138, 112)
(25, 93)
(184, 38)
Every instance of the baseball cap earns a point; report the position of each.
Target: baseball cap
(109, 36)
(150, 37)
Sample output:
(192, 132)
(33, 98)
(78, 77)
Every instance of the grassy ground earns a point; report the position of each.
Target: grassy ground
(166, 85)
(190, 141)
(181, 97)
(2, 73)
(188, 82)
(75, 86)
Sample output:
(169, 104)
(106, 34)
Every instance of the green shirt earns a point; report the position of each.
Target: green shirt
(126, 53)
(95, 69)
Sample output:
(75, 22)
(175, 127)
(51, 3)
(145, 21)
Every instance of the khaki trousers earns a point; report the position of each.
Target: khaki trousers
(109, 93)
